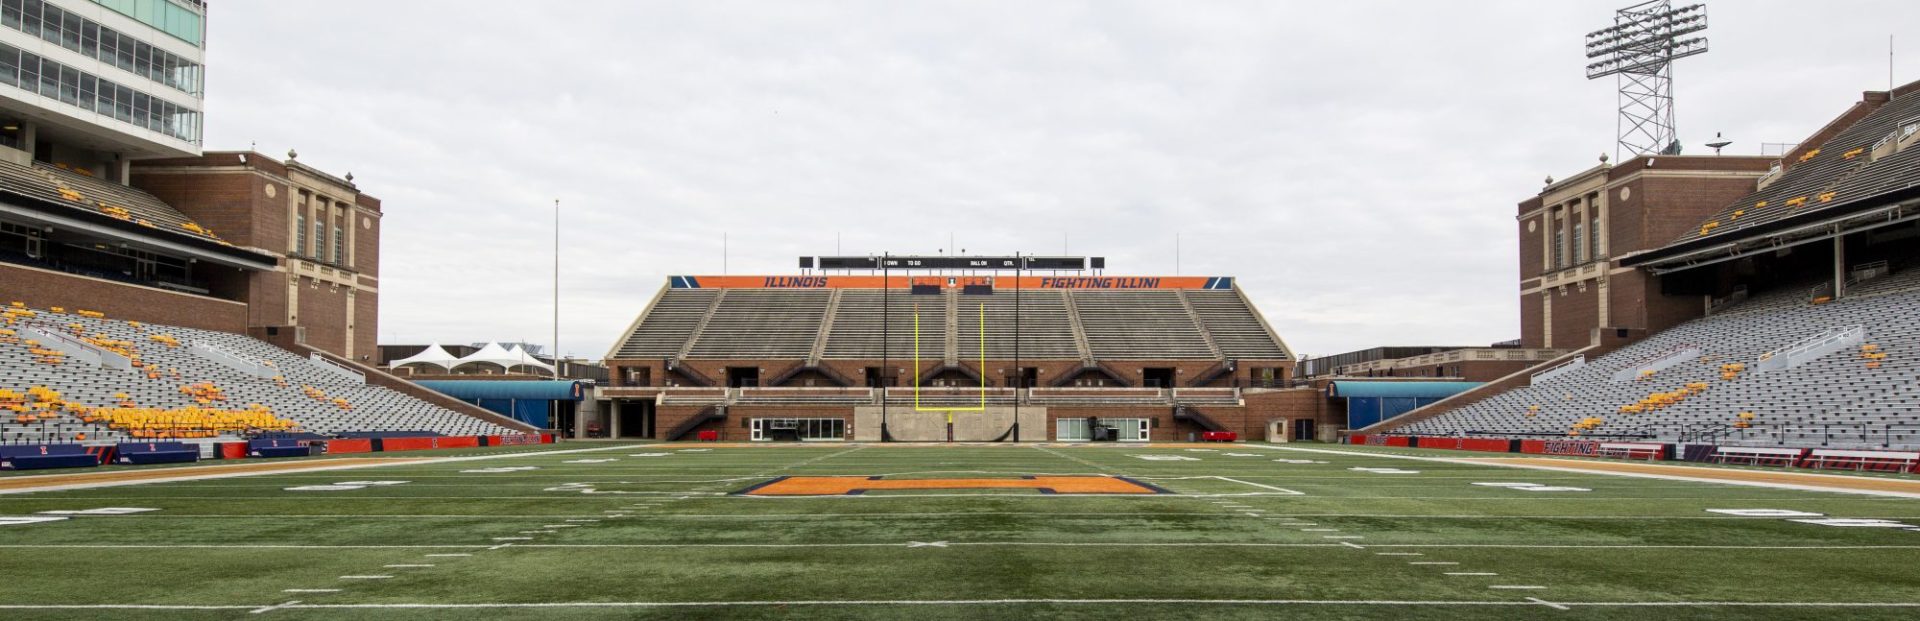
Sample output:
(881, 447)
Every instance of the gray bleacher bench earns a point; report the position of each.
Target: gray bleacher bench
(1758, 456)
(1633, 450)
(1885, 461)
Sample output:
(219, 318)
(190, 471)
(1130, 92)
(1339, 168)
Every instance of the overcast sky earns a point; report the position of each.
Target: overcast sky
(1355, 164)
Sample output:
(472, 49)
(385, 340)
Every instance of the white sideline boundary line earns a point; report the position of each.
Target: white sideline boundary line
(971, 602)
(398, 461)
(265, 609)
(1282, 490)
(1494, 461)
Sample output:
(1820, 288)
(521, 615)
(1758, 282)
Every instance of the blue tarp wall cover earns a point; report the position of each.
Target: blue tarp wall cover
(527, 401)
(1372, 402)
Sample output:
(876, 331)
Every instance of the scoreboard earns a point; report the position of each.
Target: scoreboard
(955, 263)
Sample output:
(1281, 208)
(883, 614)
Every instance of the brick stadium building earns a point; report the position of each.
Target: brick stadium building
(834, 357)
(109, 204)
(1668, 266)
(107, 199)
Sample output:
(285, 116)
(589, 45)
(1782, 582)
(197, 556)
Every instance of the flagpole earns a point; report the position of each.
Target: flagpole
(556, 289)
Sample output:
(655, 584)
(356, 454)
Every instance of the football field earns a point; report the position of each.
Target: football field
(829, 531)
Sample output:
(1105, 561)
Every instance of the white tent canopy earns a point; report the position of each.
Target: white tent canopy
(499, 356)
(434, 354)
(520, 353)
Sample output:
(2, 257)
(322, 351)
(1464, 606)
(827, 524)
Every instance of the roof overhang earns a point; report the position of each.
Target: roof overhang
(38, 212)
(1892, 208)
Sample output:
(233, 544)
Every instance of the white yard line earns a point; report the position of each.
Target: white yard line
(273, 607)
(1261, 486)
(1492, 460)
(399, 460)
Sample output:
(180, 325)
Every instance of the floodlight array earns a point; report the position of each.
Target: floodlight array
(1643, 41)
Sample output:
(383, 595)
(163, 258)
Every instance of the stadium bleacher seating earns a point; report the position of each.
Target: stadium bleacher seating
(179, 391)
(849, 324)
(1865, 396)
(1840, 170)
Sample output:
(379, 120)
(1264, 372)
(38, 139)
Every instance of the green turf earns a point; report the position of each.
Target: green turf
(1328, 543)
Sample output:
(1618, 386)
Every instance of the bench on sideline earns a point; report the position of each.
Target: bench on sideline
(37, 456)
(279, 447)
(155, 452)
(1633, 450)
(1758, 456)
(1883, 461)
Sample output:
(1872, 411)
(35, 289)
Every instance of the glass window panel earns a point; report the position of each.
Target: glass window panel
(29, 71)
(70, 32)
(50, 24)
(70, 85)
(123, 52)
(122, 103)
(9, 65)
(10, 13)
(49, 78)
(30, 17)
(90, 39)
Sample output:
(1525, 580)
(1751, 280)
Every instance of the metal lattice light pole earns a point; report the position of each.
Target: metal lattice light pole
(1640, 48)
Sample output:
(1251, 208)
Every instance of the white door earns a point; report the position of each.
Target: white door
(758, 429)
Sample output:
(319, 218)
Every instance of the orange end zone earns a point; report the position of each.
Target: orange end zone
(850, 486)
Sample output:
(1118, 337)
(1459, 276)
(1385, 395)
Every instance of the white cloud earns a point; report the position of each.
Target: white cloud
(1356, 165)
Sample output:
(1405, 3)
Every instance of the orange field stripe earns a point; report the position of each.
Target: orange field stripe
(841, 486)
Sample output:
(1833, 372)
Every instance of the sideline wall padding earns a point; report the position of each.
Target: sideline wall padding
(352, 445)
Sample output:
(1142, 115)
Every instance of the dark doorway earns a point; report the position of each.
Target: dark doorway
(1027, 378)
(876, 378)
(634, 419)
(743, 377)
(564, 417)
(1156, 377)
(1303, 430)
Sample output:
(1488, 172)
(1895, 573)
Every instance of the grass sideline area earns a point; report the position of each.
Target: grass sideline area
(657, 531)
(452, 452)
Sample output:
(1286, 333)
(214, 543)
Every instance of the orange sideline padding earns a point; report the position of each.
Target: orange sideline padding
(351, 445)
(840, 486)
(1490, 445)
(1575, 448)
(405, 444)
(457, 442)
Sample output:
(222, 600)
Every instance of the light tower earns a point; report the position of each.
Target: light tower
(1640, 48)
